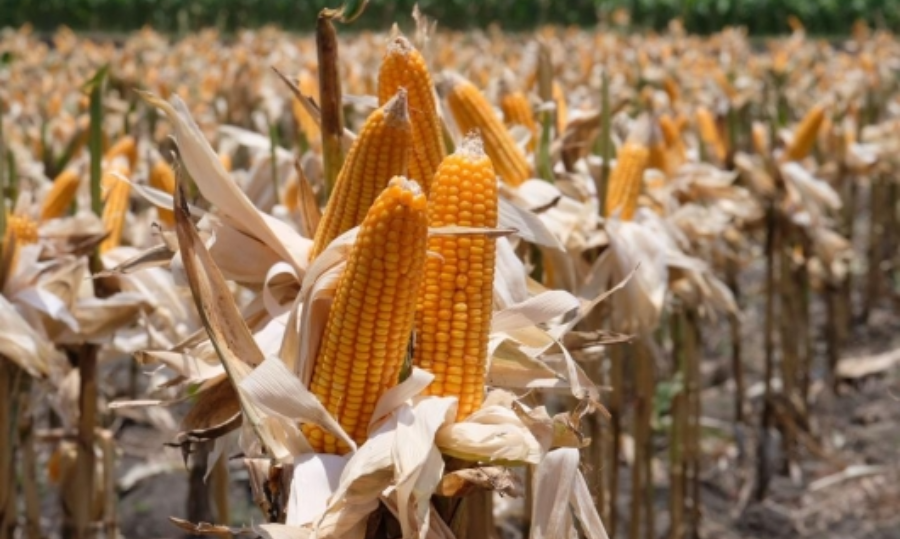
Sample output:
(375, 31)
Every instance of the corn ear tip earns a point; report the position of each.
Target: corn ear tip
(472, 146)
(400, 46)
(406, 185)
(396, 110)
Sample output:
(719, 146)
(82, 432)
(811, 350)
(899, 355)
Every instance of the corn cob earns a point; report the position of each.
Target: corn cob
(454, 310)
(380, 152)
(371, 320)
(308, 126)
(675, 150)
(61, 195)
(710, 135)
(115, 209)
(472, 111)
(805, 135)
(562, 110)
(672, 90)
(760, 137)
(658, 156)
(290, 198)
(126, 147)
(24, 229)
(20, 230)
(404, 67)
(162, 177)
(626, 179)
(517, 111)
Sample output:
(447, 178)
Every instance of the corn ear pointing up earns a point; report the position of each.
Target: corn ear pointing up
(626, 179)
(805, 135)
(61, 195)
(454, 310)
(371, 319)
(162, 177)
(379, 153)
(404, 67)
(472, 111)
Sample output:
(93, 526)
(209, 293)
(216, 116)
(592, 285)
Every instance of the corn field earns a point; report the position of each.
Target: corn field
(440, 284)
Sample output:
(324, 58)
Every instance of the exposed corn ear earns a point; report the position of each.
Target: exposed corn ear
(626, 179)
(115, 208)
(125, 147)
(379, 153)
(658, 157)
(760, 137)
(371, 320)
(672, 90)
(671, 133)
(517, 111)
(162, 177)
(20, 230)
(472, 111)
(709, 133)
(61, 195)
(805, 135)
(305, 122)
(562, 110)
(454, 310)
(290, 197)
(404, 67)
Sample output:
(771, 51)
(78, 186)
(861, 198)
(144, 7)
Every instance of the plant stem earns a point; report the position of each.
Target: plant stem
(330, 97)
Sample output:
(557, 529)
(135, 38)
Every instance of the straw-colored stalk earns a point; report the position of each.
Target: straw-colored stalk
(330, 94)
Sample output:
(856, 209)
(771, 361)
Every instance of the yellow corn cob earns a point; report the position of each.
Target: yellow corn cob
(24, 229)
(454, 310)
(404, 67)
(672, 90)
(291, 195)
(472, 111)
(517, 111)
(626, 178)
(371, 320)
(658, 156)
(162, 177)
(675, 150)
(225, 159)
(562, 110)
(125, 146)
(20, 230)
(61, 195)
(308, 126)
(115, 208)
(760, 137)
(709, 133)
(805, 134)
(380, 152)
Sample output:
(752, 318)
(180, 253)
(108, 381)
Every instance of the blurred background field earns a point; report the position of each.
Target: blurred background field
(760, 17)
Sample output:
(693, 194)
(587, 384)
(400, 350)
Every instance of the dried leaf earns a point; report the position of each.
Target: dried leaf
(463, 482)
